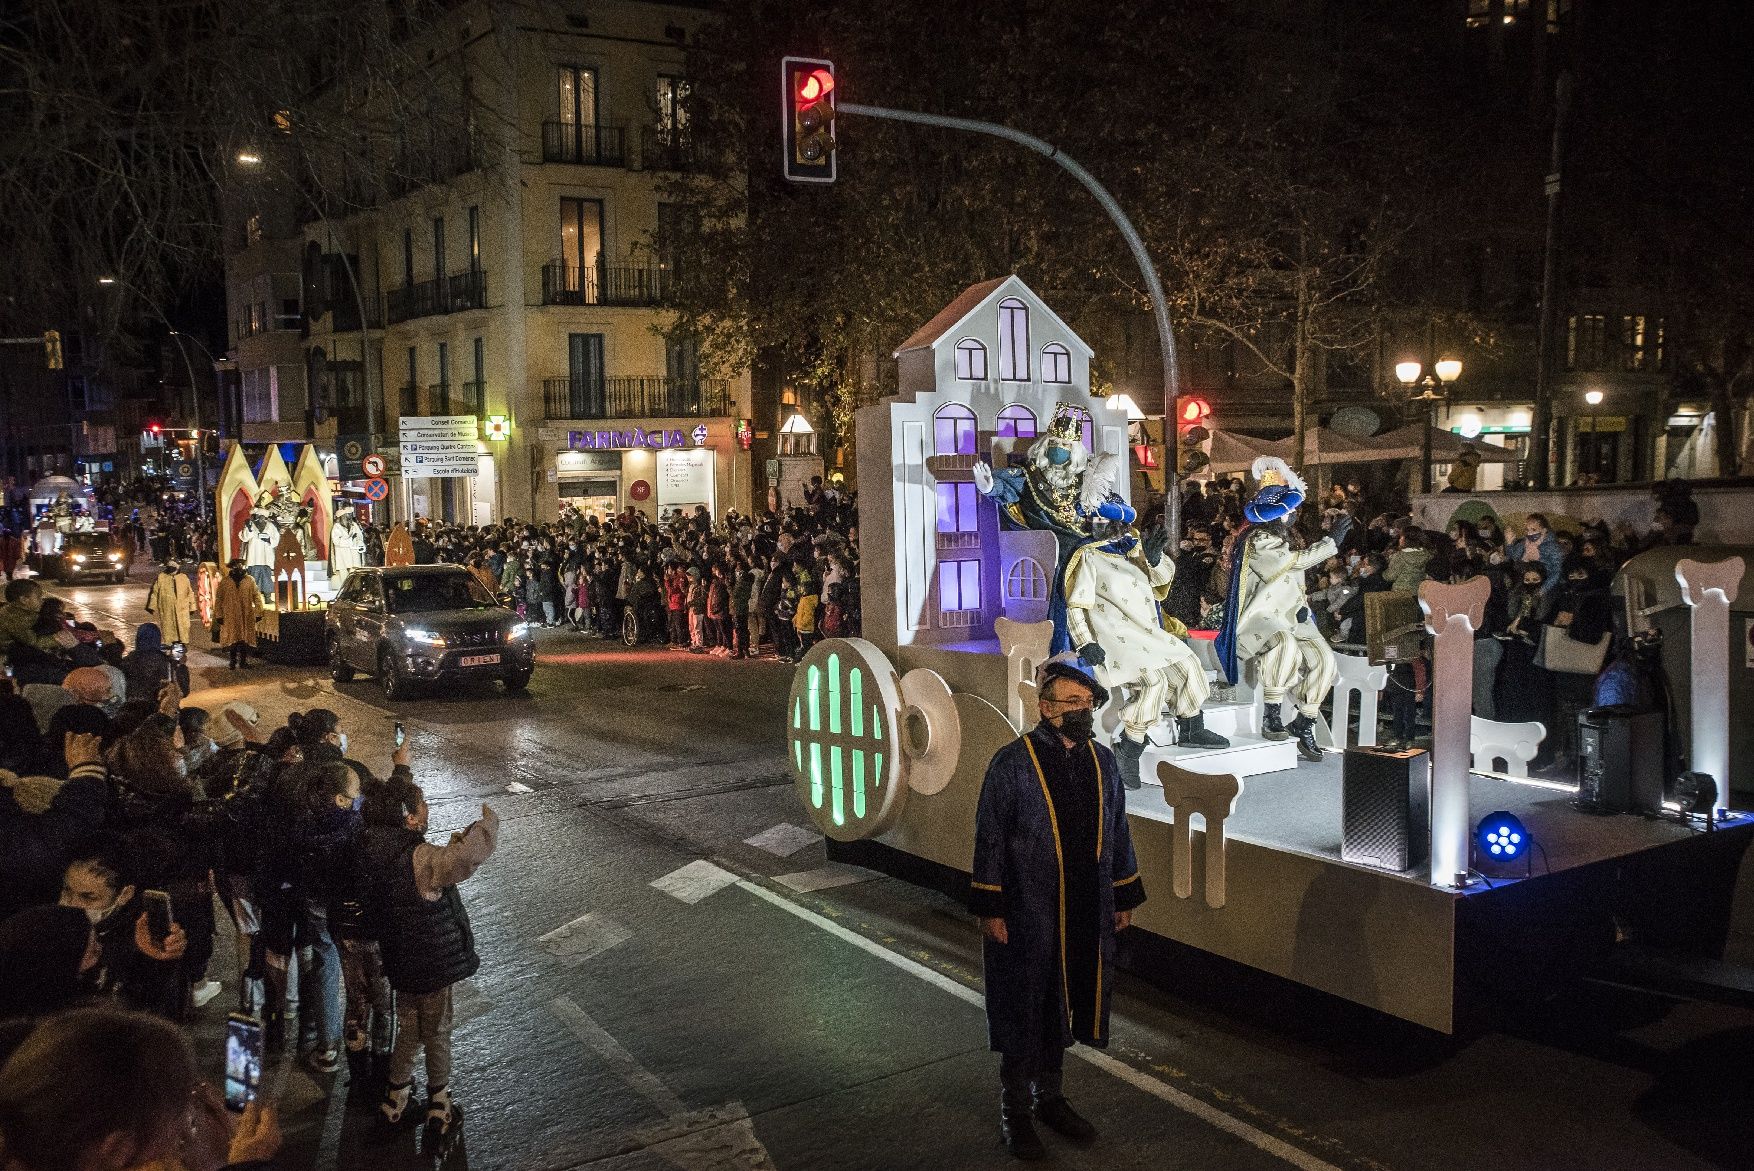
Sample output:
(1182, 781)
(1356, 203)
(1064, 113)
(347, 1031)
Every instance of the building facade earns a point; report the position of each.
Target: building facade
(506, 263)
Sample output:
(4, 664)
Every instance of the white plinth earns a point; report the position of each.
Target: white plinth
(1247, 756)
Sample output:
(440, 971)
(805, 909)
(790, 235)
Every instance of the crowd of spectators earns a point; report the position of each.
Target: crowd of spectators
(1540, 578)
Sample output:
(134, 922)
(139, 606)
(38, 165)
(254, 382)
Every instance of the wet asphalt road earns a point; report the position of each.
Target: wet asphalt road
(656, 992)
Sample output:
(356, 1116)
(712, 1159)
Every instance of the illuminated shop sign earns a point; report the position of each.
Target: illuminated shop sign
(629, 440)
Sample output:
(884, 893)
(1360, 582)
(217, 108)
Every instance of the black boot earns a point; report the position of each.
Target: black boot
(1016, 1131)
(1192, 733)
(1127, 754)
(1058, 1116)
(1271, 726)
(1304, 729)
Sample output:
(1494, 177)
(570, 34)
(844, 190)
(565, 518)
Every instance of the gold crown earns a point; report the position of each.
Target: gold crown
(1270, 477)
(1067, 423)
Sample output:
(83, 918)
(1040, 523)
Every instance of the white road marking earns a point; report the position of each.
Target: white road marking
(784, 839)
(518, 787)
(1211, 1115)
(589, 935)
(695, 881)
(824, 877)
(720, 1138)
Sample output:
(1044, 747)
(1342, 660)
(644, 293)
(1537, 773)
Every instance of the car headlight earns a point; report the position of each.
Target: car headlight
(520, 630)
(424, 637)
(115, 556)
(79, 559)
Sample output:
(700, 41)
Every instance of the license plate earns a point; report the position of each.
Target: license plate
(478, 660)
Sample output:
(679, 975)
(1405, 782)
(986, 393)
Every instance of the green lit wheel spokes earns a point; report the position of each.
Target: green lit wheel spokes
(843, 740)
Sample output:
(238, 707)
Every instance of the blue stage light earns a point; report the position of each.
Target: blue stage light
(1502, 844)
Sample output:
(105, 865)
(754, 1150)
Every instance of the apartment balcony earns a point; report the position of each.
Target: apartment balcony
(566, 284)
(451, 294)
(583, 143)
(473, 400)
(635, 398)
(408, 399)
(667, 150)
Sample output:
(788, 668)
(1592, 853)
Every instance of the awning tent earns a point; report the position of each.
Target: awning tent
(1237, 453)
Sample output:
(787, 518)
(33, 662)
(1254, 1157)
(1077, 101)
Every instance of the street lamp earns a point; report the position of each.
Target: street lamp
(249, 158)
(1431, 388)
(1594, 399)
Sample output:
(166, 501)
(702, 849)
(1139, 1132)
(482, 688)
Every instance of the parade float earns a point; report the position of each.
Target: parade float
(996, 534)
(281, 521)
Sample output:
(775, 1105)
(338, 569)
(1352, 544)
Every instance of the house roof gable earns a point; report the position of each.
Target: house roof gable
(959, 310)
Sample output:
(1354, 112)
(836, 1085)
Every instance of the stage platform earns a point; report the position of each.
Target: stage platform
(1393, 941)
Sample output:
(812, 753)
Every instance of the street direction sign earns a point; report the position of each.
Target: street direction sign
(437, 428)
(377, 490)
(372, 465)
(439, 459)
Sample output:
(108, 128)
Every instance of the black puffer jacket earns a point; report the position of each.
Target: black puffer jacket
(427, 944)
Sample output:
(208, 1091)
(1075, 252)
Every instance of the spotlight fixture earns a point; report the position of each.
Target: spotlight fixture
(1696, 794)
(1502, 846)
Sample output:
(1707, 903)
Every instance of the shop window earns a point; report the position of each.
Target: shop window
(1056, 363)
(1013, 340)
(956, 508)
(1017, 422)
(959, 586)
(953, 430)
(971, 360)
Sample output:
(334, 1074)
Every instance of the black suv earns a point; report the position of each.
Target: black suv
(88, 555)
(425, 624)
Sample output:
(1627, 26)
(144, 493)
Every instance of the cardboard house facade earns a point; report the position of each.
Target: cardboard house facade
(981, 379)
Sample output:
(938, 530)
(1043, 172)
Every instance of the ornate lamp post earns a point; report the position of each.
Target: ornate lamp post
(1432, 388)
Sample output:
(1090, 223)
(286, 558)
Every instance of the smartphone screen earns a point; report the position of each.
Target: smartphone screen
(243, 1060)
(158, 915)
(401, 734)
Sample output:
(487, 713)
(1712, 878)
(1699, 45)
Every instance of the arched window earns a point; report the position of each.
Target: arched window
(953, 430)
(1013, 340)
(1017, 422)
(1027, 581)
(971, 360)
(1056, 363)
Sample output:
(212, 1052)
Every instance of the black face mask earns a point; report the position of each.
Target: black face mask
(1078, 725)
(237, 575)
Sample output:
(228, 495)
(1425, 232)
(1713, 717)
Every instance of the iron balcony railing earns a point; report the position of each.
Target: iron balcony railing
(582, 142)
(567, 284)
(662, 150)
(409, 399)
(449, 294)
(474, 400)
(635, 398)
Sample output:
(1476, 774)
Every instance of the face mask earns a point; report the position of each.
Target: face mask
(1059, 456)
(341, 742)
(1079, 725)
(237, 575)
(358, 803)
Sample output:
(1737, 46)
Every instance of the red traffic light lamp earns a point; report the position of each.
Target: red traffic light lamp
(1193, 412)
(807, 119)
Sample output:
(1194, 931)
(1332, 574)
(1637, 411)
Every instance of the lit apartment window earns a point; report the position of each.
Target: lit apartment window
(953, 430)
(672, 110)
(253, 228)
(1586, 336)
(1013, 340)
(1016, 422)
(956, 508)
(959, 586)
(1056, 363)
(971, 360)
(1633, 355)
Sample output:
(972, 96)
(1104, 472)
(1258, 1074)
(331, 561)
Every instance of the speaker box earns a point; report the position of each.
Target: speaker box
(1385, 807)
(1620, 760)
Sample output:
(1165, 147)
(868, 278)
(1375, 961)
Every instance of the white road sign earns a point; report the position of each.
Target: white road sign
(437, 428)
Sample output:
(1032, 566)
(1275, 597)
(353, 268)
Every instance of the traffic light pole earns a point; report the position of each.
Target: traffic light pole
(1153, 287)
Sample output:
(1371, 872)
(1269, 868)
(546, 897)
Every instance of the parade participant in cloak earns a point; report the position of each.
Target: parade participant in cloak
(1267, 620)
(346, 546)
(171, 602)
(1046, 495)
(1054, 878)
(1114, 589)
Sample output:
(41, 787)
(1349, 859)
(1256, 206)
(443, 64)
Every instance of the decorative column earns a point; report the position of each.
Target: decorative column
(1709, 587)
(1452, 613)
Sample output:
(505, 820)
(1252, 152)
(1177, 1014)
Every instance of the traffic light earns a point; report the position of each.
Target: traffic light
(52, 349)
(1193, 436)
(807, 119)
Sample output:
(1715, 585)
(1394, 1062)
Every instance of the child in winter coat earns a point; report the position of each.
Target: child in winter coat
(423, 933)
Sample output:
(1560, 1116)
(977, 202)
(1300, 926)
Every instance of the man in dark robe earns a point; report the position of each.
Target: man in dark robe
(1054, 879)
